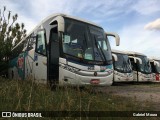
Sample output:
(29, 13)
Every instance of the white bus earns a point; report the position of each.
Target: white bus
(155, 64)
(141, 67)
(64, 50)
(122, 67)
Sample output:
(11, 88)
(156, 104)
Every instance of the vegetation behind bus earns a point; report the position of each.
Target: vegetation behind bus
(11, 33)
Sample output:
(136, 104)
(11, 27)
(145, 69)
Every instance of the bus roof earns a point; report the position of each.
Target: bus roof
(134, 53)
(53, 16)
(119, 51)
(154, 58)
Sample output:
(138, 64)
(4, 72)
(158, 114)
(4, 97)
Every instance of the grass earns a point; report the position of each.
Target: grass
(20, 95)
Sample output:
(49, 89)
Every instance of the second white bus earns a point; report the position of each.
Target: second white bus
(141, 67)
(122, 67)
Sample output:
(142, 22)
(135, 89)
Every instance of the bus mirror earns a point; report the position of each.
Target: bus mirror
(117, 38)
(140, 61)
(133, 59)
(156, 63)
(115, 57)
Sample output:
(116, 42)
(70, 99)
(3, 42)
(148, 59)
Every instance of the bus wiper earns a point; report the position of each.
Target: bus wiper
(84, 40)
(83, 51)
(146, 68)
(149, 67)
(123, 66)
(129, 64)
(129, 67)
(100, 48)
(97, 46)
(126, 66)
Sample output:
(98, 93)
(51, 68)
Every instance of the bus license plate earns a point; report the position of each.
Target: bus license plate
(95, 81)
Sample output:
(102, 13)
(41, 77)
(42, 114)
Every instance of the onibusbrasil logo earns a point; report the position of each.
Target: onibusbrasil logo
(21, 114)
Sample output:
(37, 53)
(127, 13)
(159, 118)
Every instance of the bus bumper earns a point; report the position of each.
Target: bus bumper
(74, 79)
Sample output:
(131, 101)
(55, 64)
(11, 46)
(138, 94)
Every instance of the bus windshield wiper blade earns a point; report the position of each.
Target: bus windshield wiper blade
(100, 48)
(84, 40)
(123, 65)
(127, 66)
(146, 68)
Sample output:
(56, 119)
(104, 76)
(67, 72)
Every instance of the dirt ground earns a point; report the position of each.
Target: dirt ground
(143, 92)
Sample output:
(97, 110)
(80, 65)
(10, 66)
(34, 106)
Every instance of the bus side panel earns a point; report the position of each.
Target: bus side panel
(144, 77)
(17, 67)
(135, 76)
(36, 67)
(29, 73)
(122, 77)
(40, 68)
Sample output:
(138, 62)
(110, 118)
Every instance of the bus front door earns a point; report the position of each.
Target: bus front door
(53, 67)
(40, 58)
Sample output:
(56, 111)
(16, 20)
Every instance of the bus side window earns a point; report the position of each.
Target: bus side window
(31, 43)
(40, 43)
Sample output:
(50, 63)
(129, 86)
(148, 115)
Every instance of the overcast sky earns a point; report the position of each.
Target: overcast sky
(136, 21)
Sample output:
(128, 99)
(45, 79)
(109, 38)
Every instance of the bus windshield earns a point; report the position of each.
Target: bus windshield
(123, 64)
(86, 42)
(145, 67)
(155, 68)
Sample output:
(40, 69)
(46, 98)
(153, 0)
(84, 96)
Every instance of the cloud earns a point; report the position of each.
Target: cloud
(33, 11)
(155, 25)
(133, 35)
(146, 7)
(23, 17)
(135, 38)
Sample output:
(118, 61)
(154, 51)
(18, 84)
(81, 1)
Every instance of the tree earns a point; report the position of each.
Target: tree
(10, 34)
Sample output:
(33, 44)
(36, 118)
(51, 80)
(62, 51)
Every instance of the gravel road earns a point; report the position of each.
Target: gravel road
(144, 92)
